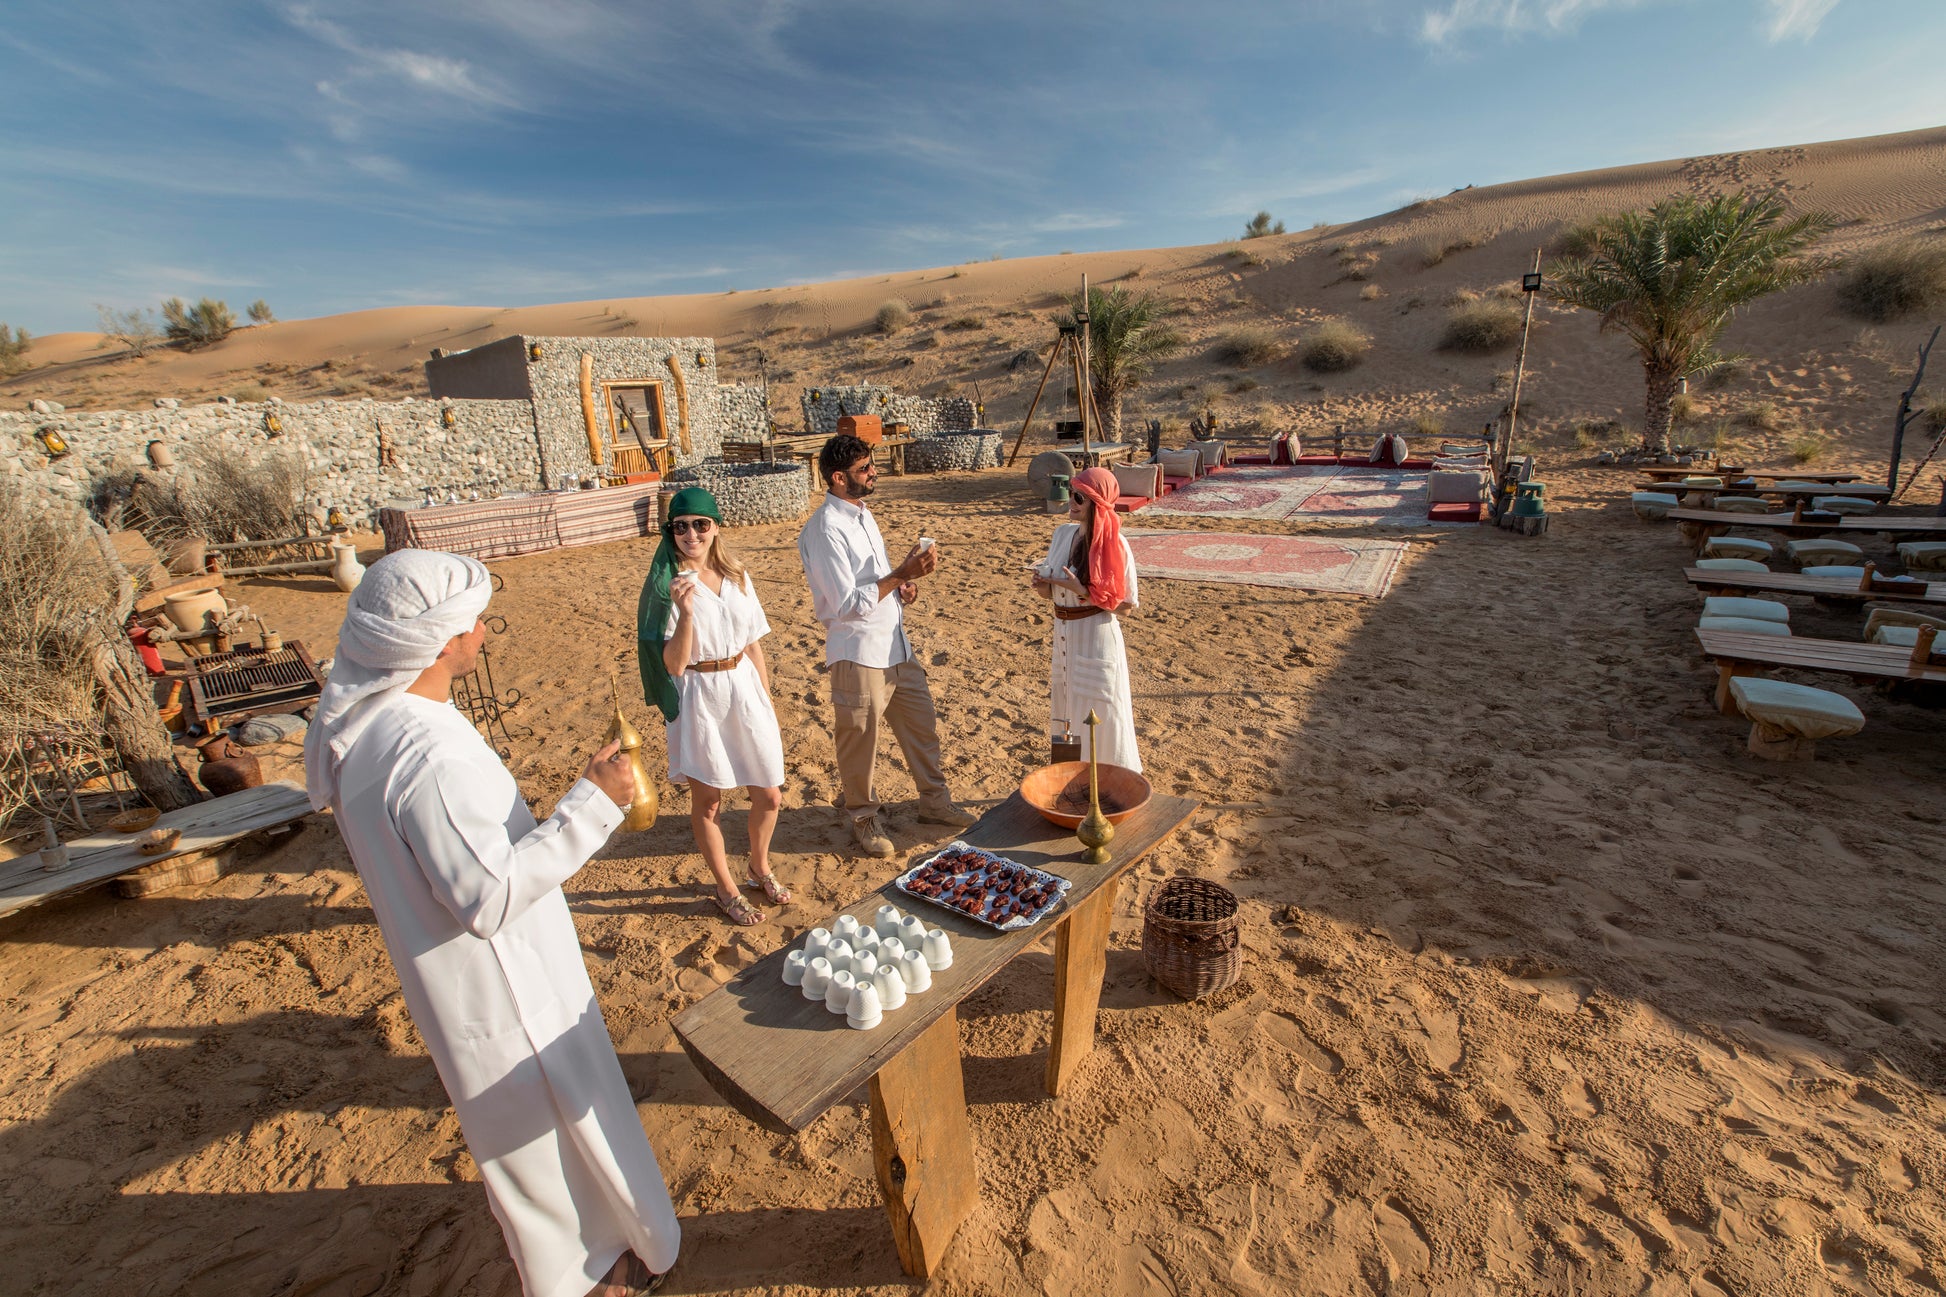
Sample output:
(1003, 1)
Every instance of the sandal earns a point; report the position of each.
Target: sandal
(738, 910)
(774, 891)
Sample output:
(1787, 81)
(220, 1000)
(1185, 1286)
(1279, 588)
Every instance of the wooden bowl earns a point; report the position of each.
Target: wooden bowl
(1118, 786)
(136, 820)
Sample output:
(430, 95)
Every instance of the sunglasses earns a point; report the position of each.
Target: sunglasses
(683, 526)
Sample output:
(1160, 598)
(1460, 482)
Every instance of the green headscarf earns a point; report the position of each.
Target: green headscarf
(652, 610)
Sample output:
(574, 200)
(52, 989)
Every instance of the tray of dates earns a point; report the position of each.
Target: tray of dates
(989, 889)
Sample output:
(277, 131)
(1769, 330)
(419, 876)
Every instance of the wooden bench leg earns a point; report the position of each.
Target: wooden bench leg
(922, 1146)
(1725, 672)
(1080, 960)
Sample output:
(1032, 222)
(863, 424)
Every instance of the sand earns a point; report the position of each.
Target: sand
(1549, 987)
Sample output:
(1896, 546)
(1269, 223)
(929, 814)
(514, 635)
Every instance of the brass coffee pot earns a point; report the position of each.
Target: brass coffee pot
(639, 814)
(1094, 831)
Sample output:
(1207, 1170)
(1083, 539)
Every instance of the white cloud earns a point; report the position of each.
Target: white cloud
(1797, 18)
(1516, 17)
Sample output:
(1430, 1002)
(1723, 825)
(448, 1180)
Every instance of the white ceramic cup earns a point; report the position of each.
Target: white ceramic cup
(912, 931)
(887, 922)
(866, 939)
(794, 965)
(925, 543)
(863, 964)
(864, 1012)
(847, 926)
(817, 978)
(889, 950)
(838, 951)
(837, 996)
(815, 941)
(916, 971)
(939, 949)
(890, 983)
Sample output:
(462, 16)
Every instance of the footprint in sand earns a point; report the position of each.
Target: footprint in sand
(1284, 1031)
(1578, 1099)
(1405, 1244)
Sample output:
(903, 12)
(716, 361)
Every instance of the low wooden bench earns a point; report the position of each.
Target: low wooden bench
(1740, 653)
(782, 1060)
(1700, 525)
(1841, 591)
(1726, 473)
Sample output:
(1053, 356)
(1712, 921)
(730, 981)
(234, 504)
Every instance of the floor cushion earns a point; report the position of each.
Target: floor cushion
(1731, 565)
(1736, 547)
(1747, 625)
(1729, 605)
(1215, 453)
(1455, 487)
(1652, 506)
(1740, 504)
(1180, 463)
(1317, 459)
(1822, 552)
(1848, 504)
(1456, 511)
(1896, 636)
(1787, 719)
(1138, 479)
(1924, 555)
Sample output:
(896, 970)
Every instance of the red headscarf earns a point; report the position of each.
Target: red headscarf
(1106, 577)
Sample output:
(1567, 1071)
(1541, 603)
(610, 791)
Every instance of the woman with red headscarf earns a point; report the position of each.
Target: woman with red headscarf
(1089, 573)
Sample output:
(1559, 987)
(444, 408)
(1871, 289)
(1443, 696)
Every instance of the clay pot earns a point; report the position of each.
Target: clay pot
(227, 768)
(346, 570)
(160, 456)
(194, 609)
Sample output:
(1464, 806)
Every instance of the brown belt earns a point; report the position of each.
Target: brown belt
(717, 664)
(1078, 614)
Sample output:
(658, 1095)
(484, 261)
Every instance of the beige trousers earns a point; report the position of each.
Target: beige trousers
(860, 697)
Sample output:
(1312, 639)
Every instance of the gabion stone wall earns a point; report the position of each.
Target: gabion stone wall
(745, 415)
(928, 416)
(748, 494)
(957, 449)
(338, 441)
(556, 384)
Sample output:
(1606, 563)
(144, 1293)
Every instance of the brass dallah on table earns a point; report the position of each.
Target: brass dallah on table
(1094, 831)
(639, 814)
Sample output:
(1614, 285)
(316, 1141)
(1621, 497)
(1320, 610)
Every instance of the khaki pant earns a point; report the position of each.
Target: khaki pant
(860, 697)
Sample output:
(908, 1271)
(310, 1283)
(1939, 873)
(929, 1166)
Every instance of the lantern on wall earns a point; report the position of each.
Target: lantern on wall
(816, 396)
(702, 360)
(449, 417)
(273, 425)
(533, 351)
(882, 399)
(50, 438)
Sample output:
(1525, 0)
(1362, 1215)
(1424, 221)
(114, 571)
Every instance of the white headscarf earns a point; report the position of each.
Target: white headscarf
(405, 609)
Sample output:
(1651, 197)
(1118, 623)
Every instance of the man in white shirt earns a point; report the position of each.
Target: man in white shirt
(860, 597)
(466, 888)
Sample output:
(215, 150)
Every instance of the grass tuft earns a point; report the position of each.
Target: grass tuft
(1480, 328)
(1248, 347)
(1333, 347)
(892, 316)
(1894, 280)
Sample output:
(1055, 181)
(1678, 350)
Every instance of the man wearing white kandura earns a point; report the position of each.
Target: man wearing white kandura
(860, 597)
(467, 891)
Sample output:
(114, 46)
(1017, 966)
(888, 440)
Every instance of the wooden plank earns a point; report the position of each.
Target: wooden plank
(101, 856)
(1803, 583)
(1861, 661)
(1782, 522)
(1080, 961)
(782, 1060)
(922, 1146)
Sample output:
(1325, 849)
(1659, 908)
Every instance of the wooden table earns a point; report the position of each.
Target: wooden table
(1699, 525)
(782, 1060)
(1740, 653)
(1861, 491)
(1726, 474)
(1818, 587)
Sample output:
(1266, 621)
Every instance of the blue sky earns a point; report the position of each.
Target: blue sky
(334, 156)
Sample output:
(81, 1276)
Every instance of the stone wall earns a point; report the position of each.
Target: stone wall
(745, 414)
(337, 439)
(555, 379)
(957, 449)
(748, 494)
(928, 416)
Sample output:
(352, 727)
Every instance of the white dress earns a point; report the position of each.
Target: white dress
(725, 733)
(467, 891)
(1090, 664)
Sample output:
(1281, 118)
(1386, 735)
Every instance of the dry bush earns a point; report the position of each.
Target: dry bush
(1333, 347)
(222, 496)
(965, 323)
(892, 316)
(1575, 241)
(207, 322)
(1462, 297)
(1428, 425)
(1806, 449)
(249, 393)
(1933, 411)
(1894, 280)
(1682, 407)
(1248, 347)
(1767, 416)
(1481, 327)
(1245, 384)
(1370, 293)
(1592, 434)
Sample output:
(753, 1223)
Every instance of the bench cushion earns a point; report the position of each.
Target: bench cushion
(1797, 710)
(1456, 511)
(1653, 506)
(1180, 463)
(1455, 487)
(1924, 555)
(1138, 479)
(1822, 552)
(1691, 482)
(1882, 616)
(1731, 565)
(1740, 504)
(1729, 605)
(1736, 547)
(1850, 504)
(1746, 625)
(1849, 572)
(1130, 503)
(1317, 459)
(1896, 636)
(1215, 453)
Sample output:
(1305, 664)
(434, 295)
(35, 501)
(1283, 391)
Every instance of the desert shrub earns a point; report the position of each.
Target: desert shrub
(249, 392)
(1575, 241)
(1244, 384)
(1462, 296)
(1370, 293)
(1592, 433)
(260, 312)
(134, 330)
(1243, 256)
(1894, 280)
(1022, 359)
(1481, 327)
(1805, 449)
(1765, 415)
(965, 323)
(1333, 347)
(1260, 225)
(1682, 407)
(13, 349)
(201, 325)
(222, 496)
(1434, 251)
(1507, 292)
(1428, 425)
(892, 316)
(1933, 412)
(1248, 347)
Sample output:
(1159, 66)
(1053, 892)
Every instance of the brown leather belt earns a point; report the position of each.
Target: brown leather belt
(717, 664)
(1078, 614)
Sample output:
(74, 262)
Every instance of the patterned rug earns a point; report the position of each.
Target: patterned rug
(1359, 567)
(1317, 493)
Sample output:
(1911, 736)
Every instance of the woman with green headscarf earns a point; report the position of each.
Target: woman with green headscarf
(697, 628)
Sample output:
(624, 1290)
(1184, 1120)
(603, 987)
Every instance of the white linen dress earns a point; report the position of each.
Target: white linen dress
(725, 734)
(467, 891)
(1090, 664)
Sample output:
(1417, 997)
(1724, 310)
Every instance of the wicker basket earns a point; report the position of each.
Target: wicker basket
(1189, 937)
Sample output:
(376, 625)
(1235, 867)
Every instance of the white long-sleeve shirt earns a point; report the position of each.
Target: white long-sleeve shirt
(467, 891)
(844, 559)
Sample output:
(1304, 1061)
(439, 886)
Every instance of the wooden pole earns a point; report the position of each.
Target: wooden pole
(1905, 416)
(1084, 390)
(1035, 403)
(1520, 367)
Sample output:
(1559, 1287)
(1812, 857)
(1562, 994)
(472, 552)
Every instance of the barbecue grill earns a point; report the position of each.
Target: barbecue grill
(249, 682)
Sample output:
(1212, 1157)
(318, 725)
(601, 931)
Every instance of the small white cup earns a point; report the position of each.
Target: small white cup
(939, 949)
(817, 978)
(912, 931)
(863, 964)
(815, 942)
(925, 543)
(838, 951)
(847, 926)
(837, 996)
(916, 972)
(864, 1013)
(794, 965)
(867, 939)
(887, 922)
(890, 984)
(889, 950)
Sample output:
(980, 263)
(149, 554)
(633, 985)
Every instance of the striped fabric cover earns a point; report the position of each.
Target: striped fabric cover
(486, 529)
(612, 513)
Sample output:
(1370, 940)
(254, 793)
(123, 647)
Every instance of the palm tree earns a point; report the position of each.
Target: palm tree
(1672, 277)
(1126, 338)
